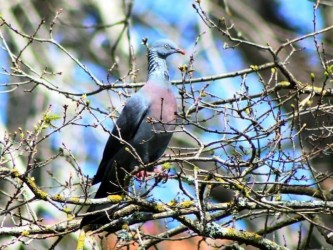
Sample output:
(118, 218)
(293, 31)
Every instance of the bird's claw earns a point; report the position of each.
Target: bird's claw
(157, 173)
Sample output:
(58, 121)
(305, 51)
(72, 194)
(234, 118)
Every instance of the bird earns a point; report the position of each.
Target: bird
(142, 131)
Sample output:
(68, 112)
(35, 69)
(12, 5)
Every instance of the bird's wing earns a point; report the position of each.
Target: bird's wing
(127, 124)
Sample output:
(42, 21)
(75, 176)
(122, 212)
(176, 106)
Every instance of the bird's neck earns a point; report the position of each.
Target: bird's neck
(157, 67)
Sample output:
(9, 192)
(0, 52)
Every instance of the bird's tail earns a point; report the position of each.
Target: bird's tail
(97, 219)
(112, 187)
(106, 190)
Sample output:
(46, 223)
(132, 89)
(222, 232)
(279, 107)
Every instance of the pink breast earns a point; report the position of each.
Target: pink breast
(163, 105)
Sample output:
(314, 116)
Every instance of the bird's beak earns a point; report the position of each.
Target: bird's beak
(181, 51)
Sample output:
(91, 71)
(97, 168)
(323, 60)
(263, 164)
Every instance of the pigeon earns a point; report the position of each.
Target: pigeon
(141, 133)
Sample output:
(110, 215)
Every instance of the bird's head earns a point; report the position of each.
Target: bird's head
(165, 48)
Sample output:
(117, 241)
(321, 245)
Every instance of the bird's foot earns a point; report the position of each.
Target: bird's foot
(141, 175)
(157, 172)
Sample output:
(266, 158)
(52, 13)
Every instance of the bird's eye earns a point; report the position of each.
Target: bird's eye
(167, 46)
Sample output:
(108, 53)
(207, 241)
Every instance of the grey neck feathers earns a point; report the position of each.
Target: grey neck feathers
(157, 67)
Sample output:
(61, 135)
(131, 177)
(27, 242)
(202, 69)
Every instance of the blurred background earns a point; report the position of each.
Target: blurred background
(106, 37)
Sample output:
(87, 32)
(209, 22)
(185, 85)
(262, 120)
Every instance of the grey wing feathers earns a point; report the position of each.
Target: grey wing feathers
(127, 124)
